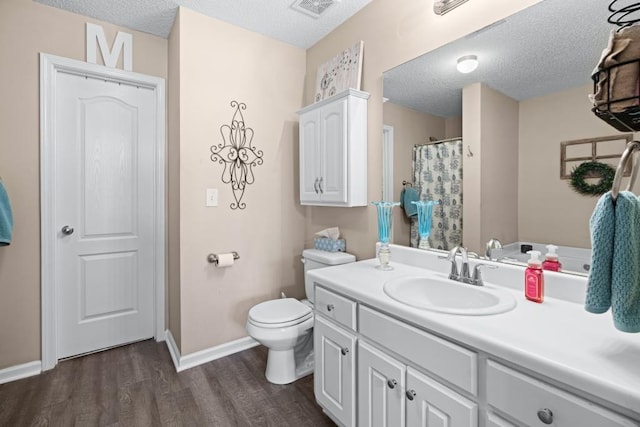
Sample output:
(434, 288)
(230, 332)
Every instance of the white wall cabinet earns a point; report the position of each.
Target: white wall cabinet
(333, 151)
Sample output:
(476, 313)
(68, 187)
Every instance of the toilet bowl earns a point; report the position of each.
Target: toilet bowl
(285, 326)
(278, 325)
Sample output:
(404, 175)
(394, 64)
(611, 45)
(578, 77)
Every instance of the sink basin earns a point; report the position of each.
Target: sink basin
(443, 295)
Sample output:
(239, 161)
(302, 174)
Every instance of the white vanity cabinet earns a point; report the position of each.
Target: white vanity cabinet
(333, 151)
(393, 393)
(334, 342)
(374, 368)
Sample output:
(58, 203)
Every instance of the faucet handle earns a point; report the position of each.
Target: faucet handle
(476, 279)
(452, 253)
(453, 274)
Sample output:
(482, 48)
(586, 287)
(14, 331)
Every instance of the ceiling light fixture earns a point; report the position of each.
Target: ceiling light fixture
(467, 63)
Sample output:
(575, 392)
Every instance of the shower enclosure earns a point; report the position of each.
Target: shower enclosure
(437, 176)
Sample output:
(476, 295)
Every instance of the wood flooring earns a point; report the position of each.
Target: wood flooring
(137, 385)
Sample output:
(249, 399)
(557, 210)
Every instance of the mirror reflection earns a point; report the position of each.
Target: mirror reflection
(487, 144)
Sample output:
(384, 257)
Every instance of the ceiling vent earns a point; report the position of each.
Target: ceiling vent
(313, 8)
(440, 7)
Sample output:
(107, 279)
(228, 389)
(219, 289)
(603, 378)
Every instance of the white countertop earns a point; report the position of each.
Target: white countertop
(557, 339)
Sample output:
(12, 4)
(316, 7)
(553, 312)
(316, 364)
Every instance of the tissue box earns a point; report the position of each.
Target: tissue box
(330, 245)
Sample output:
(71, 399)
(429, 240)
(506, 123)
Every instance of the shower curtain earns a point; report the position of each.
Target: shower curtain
(437, 175)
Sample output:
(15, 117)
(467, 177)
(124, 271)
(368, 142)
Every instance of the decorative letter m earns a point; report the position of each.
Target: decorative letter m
(95, 35)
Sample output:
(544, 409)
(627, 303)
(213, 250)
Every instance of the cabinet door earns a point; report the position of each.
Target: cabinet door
(333, 165)
(310, 156)
(380, 388)
(334, 375)
(430, 403)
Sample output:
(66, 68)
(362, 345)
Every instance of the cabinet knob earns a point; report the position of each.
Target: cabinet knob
(330, 307)
(344, 351)
(67, 231)
(411, 394)
(392, 384)
(545, 415)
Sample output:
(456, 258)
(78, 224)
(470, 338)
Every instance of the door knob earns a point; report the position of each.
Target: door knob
(67, 230)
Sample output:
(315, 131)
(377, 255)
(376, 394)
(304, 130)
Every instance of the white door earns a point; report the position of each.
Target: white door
(104, 213)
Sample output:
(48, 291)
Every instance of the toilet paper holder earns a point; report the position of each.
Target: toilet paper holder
(213, 258)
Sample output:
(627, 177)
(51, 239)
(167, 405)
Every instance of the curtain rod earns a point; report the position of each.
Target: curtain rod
(439, 141)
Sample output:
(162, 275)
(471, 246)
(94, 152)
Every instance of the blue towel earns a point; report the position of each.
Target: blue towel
(602, 225)
(614, 277)
(407, 196)
(6, 217)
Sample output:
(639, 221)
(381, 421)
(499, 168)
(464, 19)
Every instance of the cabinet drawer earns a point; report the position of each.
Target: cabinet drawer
(336, 307)
(522, 397)
(449, 361)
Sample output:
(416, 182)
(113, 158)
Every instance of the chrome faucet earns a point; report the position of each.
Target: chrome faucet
(476, 279)
(492, 244)
(463, 276)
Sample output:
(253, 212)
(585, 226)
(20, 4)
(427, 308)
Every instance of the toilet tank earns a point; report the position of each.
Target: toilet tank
(314, 258)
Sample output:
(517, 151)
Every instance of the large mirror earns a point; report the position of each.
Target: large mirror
(508, 118)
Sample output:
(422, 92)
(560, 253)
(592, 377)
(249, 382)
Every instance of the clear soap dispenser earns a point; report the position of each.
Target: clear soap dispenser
(551, 259)
(534, 278)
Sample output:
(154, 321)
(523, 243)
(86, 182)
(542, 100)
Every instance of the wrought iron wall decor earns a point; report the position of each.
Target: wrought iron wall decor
(237, 155)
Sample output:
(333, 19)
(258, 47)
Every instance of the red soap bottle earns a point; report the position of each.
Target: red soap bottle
(551, 259)
(534, 278)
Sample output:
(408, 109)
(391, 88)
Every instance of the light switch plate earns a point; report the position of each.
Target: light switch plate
(212, 197)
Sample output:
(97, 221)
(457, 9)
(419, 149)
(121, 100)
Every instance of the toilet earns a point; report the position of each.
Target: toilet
(285, 325)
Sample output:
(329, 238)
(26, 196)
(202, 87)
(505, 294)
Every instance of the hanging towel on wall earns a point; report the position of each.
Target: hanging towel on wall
(6, 217)
(408, 195)
(619, 250)
(602, 225)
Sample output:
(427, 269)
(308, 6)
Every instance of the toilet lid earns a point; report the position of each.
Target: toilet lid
(279, 311)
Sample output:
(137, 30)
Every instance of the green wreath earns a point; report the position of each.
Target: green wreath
(603, 171)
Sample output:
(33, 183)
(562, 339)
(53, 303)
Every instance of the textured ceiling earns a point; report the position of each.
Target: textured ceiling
(551, 46)
(273, 18)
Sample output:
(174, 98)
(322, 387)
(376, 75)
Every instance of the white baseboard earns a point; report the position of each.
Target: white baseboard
(13, 373)
(207, 355)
